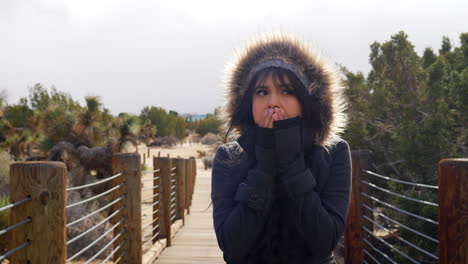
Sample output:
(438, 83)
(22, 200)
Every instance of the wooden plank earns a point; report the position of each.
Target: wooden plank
(196, 241)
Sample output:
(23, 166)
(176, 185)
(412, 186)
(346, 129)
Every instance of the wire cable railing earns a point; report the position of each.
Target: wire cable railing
(401, 181)
(95, 241)
(114, 251)
(96, 196)
(94, 183)
(400, 210)
(10, 252)
(106, 246)
(97, 211)
(14, 204)
(399, 195)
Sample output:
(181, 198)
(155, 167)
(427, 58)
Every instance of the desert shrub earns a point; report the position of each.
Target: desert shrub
(209, 139)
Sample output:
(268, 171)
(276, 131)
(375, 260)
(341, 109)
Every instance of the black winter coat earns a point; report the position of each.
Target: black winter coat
(301, 225)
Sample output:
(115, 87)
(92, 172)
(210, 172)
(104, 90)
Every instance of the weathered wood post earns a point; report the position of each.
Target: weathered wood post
(157, 201)
(45, 183)
(354, 244)
(453, 211)
(166, 165)
(180, 176)
(144, 159)
(188, 183)
(194, 176)
(129, 165)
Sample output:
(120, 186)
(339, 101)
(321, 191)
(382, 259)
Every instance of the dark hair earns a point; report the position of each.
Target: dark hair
(309, 102)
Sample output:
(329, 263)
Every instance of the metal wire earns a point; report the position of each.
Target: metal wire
(172, 206)
(380, 252)
(7, 254)
(173, 179)
(144, 244)
(402, 225)
(399, 195)
(172, 218)
(95, 241)
(173, 200)
(370, 256)
(390, 246)
(15, 204)
(25, 221)
(97, 211)
(402, 239)
(401, 210)
(155, 203)
(150, 188)
(149, 198)
(94, 183)
(146, 226)
(95, 226)
(113, 252)
(96, 196)
(173, 168)
(151, 231)
(400, 181)
(340, 244)
(155, 211)
(150, 171)
(105, 247)
(120, 257)
(173, 193)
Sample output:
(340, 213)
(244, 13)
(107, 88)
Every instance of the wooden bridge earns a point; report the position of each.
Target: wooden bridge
(162, 215)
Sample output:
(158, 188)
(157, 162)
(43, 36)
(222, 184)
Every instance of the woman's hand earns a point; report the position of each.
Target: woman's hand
(272, 114)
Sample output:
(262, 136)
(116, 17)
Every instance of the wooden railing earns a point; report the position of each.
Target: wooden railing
(361, 244)
(38, 210)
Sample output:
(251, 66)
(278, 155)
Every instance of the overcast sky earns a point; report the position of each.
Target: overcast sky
(172, 53)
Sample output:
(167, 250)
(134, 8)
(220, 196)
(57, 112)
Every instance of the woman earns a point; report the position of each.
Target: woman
(280, 192)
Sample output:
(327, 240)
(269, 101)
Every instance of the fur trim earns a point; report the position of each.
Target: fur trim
(323, 78)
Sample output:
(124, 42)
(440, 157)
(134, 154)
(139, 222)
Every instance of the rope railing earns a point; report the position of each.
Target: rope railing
(400, 210)
(399, 195)
(96, 196)
(400, 181)
(97, 211)
(95, 241)
(10, 252)
(94, 183)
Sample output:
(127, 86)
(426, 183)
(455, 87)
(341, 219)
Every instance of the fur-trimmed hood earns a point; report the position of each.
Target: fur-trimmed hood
(289, 52)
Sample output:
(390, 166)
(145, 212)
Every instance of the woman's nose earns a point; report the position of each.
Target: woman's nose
(273, 100)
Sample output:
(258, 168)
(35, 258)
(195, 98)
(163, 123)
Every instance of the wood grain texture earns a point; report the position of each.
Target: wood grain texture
(166, 165)
(129, 165)
(157, 220)
(354, 233)
(453, 211)
(180, 175)
(196, 241)
(46, 183)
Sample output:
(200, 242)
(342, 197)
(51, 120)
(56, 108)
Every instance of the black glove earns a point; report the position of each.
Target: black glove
(293, 179)
(265, 149)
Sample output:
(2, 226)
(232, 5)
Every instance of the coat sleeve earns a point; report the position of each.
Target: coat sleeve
(240, 207)
(321, 219)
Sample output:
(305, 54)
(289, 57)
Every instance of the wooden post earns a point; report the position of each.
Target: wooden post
(453, 211)
(180, 176)
(148, 151)
(129, 165)
(354, 233)
(144, 158)
(188, 182)
(194, 176)
(157, 202)
(45, 183)
(166, 165)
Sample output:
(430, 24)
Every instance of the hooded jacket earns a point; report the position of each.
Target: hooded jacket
(253, 222)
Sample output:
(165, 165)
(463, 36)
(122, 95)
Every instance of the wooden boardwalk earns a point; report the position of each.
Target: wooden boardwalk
(196, 241)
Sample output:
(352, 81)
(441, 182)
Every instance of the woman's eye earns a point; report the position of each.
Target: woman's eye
(261, 92)
(288, 91)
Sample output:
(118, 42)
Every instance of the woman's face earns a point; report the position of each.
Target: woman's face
(270, 94)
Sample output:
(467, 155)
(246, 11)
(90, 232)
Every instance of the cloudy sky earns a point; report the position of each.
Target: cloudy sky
(172, 53)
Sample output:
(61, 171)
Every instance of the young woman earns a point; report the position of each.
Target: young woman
(280, 192)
